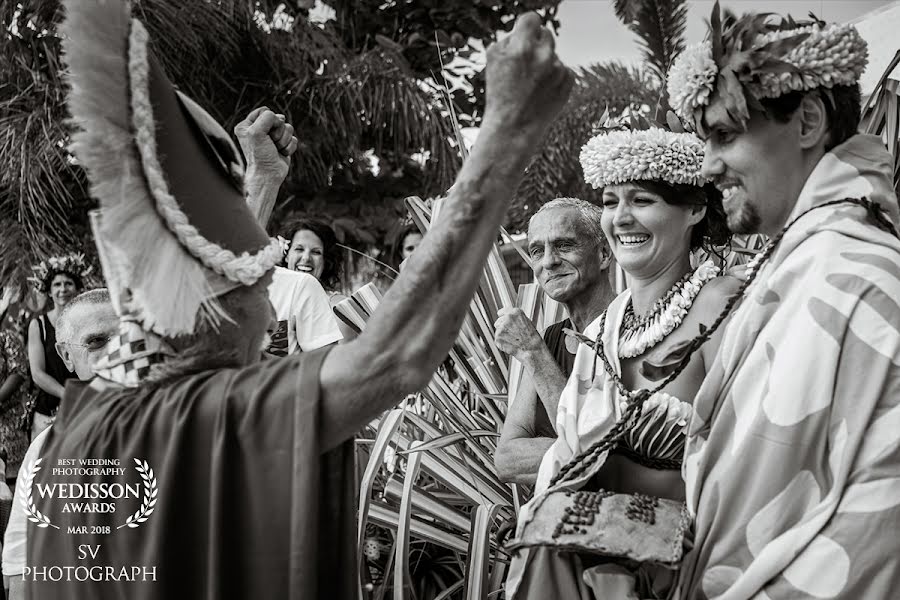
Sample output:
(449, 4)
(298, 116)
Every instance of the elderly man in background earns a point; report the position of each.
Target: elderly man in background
(83, 329)
(570, 259)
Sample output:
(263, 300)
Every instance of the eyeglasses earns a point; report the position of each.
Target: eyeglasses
(94, 344)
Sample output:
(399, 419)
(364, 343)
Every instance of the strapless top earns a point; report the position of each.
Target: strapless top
(657, 439)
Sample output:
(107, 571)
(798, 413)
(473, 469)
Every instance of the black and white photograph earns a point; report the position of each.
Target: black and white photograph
(449, 299)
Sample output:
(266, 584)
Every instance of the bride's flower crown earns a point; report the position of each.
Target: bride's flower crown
(640, 150)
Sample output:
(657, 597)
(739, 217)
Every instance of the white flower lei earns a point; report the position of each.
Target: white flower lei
(667, 320)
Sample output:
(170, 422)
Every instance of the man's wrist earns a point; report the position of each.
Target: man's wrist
(511, 128)
(528, 356)
(258, 178)
(261, 188)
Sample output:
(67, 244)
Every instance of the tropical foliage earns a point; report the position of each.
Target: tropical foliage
(556, 172)
(433, 511)
(659, 26)
(881, 115)
(359, 89)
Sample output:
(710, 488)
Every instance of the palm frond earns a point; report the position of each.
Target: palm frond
(556, 170)
(388, 110)
(881, 115)
(659, 25)
(442, 440)
(42, 195)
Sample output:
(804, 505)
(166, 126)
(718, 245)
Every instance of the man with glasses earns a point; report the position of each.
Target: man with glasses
(83, 329)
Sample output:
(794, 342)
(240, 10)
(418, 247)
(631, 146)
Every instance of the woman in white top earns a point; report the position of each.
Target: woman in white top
(314, 249)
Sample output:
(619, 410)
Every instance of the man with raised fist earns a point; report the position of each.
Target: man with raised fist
(253, 460)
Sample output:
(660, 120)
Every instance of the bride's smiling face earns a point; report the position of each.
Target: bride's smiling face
(645, 232)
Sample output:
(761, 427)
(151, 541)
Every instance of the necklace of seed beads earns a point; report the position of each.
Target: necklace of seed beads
(632, 322)
(667, 315)
(579, 464)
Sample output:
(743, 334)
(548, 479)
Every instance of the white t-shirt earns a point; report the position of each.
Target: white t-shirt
(14, 538)
(301, 295)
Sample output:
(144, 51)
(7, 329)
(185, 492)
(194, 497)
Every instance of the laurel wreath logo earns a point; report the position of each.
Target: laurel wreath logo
(27, 497)
(150, 493)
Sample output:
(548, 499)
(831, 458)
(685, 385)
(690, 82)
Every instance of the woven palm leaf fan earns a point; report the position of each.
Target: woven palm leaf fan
(881, 115)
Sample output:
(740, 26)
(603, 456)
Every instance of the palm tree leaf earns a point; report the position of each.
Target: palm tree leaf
(659, 25)
(556, 170)
(401, 566)
(479, 552)
(881, 115)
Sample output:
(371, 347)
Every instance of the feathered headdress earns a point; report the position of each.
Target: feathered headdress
(638, 149)
(756, 56)
(174, 231)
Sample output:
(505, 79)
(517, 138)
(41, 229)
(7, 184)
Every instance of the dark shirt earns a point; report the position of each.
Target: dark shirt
(556, 342)
(47, 404)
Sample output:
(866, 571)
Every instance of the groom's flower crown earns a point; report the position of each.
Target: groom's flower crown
(753, 57)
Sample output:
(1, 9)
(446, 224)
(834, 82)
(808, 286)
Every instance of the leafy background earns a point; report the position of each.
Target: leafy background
(360, 88)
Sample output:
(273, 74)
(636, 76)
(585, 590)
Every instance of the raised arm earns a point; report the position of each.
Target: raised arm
(516, 335)
(420, 316)
(267, 142)
(37, 362)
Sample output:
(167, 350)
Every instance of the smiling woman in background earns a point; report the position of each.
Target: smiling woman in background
(61, 278)
(314, 250)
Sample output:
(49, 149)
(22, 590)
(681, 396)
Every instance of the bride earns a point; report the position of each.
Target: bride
(657, 211)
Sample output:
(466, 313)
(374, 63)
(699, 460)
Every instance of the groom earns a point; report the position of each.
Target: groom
(793, 460)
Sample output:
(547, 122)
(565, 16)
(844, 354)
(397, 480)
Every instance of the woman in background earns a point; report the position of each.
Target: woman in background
(61, 278)
(314, 250)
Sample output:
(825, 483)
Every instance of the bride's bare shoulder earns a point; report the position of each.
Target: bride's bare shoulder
(714, 295)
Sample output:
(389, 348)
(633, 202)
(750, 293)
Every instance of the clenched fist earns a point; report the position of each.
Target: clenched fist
(515, 334)
(527, 85)
(267, 142)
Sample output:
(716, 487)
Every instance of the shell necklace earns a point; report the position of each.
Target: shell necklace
(640, 334)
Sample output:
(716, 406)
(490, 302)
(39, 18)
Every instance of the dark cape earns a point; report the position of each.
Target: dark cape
(248, 506)
(46, 404)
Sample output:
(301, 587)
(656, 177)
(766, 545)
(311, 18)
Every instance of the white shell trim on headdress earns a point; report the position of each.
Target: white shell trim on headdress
(642, 155)
(832, 55)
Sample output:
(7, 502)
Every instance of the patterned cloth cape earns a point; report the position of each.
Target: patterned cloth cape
(792, 464)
